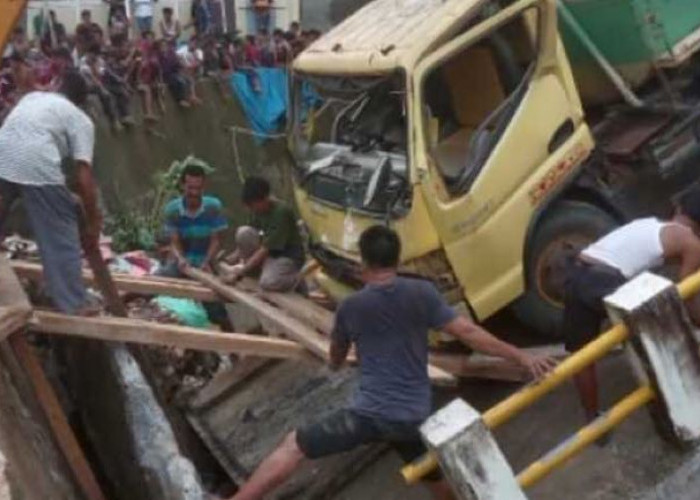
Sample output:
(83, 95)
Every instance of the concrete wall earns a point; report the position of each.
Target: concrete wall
(128, 162)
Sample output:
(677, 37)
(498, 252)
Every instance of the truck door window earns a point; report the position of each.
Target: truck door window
(470, 98)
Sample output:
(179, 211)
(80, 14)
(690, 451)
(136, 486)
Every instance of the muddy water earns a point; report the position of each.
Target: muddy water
(126, 163)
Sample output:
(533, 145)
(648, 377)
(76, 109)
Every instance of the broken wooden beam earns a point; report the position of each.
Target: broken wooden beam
(294, 304)
(291, 327)
(145, 332)
(146, 285)
(57, 420)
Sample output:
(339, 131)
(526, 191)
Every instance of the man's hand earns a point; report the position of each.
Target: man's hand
(182, 265)
(538, 366)
(236, 274)
(480, 340)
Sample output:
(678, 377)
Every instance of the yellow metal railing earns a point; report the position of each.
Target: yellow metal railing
(516, 403)
(586, 436)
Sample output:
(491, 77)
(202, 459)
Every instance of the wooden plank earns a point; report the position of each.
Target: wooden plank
(57, 420)
(227, 381)
(145, 332)
(317, 343)
(13, 318)
(242, 428)
(489, 367)
(291, 327)
(146, 285)
(300, 307)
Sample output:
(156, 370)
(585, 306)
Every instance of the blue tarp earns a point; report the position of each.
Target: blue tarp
(266, 108)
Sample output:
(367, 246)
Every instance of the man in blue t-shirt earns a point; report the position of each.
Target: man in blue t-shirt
(388, 322)
(194, 224)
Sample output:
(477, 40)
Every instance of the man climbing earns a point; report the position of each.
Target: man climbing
(607, 264)
(388, 323)
(42, 131)
(194, 223)
(271, 243)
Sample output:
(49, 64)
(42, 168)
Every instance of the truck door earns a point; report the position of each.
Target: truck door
(499, 124)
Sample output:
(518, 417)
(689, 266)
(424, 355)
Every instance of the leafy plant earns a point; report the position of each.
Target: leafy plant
(135, 225)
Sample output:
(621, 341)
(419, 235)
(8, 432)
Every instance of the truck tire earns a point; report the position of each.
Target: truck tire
(565, 230)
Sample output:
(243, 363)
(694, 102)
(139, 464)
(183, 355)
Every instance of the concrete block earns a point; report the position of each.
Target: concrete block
(469, 456)
(664, 341)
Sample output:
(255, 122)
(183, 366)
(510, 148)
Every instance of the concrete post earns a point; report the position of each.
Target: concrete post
(665, 345)
(469, 456)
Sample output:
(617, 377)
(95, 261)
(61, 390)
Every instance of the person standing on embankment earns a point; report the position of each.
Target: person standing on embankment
(42, 131)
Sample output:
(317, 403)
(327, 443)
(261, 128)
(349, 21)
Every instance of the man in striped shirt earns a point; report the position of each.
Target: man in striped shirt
(194, 223)
(40, 133)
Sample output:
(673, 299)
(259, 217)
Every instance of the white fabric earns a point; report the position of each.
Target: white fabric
(42, 130)
(143, 8)
(631, 249)
(86, 70)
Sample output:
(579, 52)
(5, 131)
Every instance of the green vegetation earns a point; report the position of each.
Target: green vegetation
(135, 225)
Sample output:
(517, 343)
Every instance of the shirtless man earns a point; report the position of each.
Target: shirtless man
(604, 266)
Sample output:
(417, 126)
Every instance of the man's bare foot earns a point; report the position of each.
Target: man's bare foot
(184, 104)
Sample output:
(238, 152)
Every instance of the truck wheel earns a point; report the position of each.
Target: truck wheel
(561, 235)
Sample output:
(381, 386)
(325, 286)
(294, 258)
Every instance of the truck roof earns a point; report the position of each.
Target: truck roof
(384, 35)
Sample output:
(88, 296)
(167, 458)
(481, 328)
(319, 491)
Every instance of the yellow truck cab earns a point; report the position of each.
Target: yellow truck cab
(459, 124)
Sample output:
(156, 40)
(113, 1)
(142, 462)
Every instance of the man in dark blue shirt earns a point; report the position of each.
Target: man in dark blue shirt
(388, 322)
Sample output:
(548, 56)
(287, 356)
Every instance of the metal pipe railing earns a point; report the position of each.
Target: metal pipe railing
(586, 436)
(512, 406)
(516, 403)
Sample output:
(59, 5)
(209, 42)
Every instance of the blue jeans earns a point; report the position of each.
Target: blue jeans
(144, 24)
(262, 20)
(53, 216)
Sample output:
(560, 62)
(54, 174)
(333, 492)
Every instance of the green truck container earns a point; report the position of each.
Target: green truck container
(635, 36)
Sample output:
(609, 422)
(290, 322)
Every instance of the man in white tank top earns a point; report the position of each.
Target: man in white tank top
(600, 269)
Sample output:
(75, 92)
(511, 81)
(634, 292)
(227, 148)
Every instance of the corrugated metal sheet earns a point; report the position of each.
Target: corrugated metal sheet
(388, 29)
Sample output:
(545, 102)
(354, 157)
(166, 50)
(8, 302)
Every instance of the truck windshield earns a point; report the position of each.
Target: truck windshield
(361, 113)
(349, 139)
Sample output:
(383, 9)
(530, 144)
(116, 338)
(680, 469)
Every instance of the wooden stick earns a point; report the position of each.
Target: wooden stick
(317, 343)
(57, 420)
(300, 307)
(146, 285)
(291, 327)
(145, 332)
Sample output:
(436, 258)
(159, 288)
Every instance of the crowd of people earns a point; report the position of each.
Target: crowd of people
(138, 59)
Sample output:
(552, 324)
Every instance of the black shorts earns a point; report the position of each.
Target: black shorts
(587, 286)
(346, 430)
